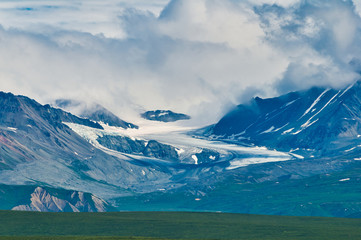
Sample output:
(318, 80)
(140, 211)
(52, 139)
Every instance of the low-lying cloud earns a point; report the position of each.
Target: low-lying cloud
(197, 57)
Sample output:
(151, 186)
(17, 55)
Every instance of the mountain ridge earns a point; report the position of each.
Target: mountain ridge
(95, 112)
(311, 119)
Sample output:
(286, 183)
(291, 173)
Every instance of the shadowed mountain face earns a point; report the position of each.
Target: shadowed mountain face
(164, 116)
(94, 112)
(318, 121)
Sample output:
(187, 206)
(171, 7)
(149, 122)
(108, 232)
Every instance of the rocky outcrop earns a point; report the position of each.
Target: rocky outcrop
(64, 201)
(159, 150)
(122, 144)
(164, 116)
(151, 148)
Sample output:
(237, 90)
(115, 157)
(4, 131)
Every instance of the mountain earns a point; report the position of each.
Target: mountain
(27, 126)
(164, 116)
(257, 159)
(46, 147)
(22, 112)
(59, 200)
(315, 122)
(94, 112)
(38, 148)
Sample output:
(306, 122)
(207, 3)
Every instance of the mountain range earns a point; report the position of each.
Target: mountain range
(296, 154)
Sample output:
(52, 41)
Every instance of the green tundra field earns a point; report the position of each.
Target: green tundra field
(171, 225)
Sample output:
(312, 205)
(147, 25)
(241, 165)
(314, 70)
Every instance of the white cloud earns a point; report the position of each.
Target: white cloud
(197, 57)
(283, 3)
(357, 4)
(93, 16)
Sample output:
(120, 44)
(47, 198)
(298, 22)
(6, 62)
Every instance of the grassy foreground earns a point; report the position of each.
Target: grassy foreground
(171, 225)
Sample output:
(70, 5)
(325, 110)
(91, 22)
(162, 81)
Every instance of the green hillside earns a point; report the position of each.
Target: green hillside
(171, 225)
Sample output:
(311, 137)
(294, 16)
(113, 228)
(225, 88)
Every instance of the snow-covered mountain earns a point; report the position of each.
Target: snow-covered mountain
(315, 122)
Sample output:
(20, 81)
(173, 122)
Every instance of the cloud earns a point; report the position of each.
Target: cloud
(319, 39)
(282, 3)
(197, 57)
(95, 16)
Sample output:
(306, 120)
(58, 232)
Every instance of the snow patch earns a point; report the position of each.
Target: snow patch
(297, 156)
(349, 150)
(88, 133)
(12, 129)
(307, 124)
(324, 106)
(349, 87)
(162, 114)
(304, 126)
(276, 130)
(179, 151)
(288, 131)
(314, 103)
(249, 161)
(287, 104)
(268, 130)
(195, 159)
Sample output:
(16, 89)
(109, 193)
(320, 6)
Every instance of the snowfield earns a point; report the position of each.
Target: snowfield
(176, 135)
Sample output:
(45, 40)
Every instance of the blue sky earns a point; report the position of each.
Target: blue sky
(200, 57)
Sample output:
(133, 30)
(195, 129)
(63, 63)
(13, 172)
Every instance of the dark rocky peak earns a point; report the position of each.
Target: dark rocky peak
(164, 116)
